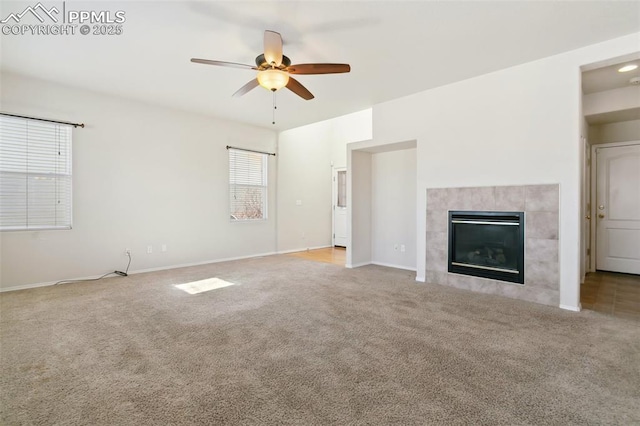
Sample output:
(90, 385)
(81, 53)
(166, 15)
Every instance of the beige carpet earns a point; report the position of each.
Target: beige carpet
(305, 343)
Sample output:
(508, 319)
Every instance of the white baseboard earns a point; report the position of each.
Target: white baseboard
(205, 262)
(42, 284)
(137, 271)
(572, 308)
(356, 265)
(391, 265)
(421, 278)
(302, 249)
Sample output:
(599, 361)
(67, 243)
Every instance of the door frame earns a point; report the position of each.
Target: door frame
(334, 198)
(594, 194)
(585, 240)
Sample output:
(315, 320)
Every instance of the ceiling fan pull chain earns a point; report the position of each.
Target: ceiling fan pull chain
(273, 121)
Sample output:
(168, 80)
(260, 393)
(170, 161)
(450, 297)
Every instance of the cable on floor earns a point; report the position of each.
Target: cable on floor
(119, 273)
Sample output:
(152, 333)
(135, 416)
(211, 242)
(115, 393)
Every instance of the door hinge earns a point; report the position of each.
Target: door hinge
(588, 252)
(334, 235)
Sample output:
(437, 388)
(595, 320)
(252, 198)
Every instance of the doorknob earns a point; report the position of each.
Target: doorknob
(588, 217)
(601, 216)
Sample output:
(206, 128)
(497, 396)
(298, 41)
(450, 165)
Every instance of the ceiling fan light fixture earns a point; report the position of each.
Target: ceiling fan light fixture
(273, 79)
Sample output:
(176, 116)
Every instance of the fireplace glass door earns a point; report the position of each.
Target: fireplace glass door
(487, 244)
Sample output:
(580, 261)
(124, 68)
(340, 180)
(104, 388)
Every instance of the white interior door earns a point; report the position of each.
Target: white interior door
(340, 207)
(618, 209)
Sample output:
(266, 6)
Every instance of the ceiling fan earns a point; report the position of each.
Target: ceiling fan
(274, 69)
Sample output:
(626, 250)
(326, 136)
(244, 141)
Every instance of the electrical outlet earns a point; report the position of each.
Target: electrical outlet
(149, 249)
(403, 248)
(127, 252)
(164, 247)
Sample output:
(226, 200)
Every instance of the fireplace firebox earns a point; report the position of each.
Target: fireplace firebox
(487, 244)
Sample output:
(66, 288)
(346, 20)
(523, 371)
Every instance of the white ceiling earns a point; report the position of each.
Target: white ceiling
(608, 78)
(395, 48)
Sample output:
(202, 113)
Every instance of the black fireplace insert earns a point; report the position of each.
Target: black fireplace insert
(487, 244)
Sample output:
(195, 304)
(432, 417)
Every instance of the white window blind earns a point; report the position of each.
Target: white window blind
(35, 174)
(247, 185)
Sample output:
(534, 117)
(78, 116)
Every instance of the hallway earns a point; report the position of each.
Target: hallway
(613, 294)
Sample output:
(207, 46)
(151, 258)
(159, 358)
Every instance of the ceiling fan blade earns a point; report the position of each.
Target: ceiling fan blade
(297, 88)
(246, 88)
(223, 63)
(273, 47)
(318, 68)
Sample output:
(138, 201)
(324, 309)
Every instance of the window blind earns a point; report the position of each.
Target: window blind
(35, 175)
(247, 185)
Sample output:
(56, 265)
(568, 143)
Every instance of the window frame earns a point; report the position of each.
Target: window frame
(265, 177)
(66, 142)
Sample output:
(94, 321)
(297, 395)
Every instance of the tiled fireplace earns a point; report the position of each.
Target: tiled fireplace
(538, 206)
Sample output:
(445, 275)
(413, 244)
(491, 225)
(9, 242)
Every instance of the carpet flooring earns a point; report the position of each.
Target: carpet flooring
(307, 343)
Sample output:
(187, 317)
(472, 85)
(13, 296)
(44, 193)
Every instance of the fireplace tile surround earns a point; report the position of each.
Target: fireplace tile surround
(541, 206)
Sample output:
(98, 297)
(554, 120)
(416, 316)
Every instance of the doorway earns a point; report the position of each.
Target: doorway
(334, 255)
(339, 206)
(616, 207)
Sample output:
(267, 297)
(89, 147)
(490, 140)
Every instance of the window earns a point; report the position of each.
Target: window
(35, 175)
(342, 188)
(247, 185)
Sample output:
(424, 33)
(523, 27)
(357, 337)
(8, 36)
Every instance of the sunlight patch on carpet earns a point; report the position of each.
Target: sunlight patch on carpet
(201, 286)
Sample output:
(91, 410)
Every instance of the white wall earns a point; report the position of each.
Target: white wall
(359, 232)
(517, 126)
(393, 208)
(611, 100)
(143, 175)
(305, 158)
(623, 131)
